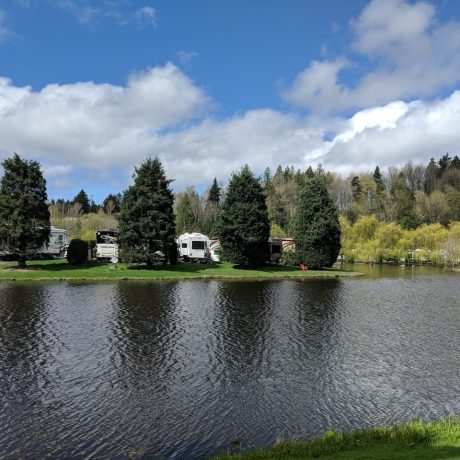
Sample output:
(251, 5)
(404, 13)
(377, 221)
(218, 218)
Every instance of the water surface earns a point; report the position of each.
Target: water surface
(189, 368)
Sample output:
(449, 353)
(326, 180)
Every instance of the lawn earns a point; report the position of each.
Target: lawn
(61, 270)
(415, 440)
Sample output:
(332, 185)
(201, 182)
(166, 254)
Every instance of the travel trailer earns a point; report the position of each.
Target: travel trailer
(275, 249)
(107, 244)
(57, 244)
(194, 247)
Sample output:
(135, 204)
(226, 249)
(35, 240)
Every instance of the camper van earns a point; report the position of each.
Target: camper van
(107, 244)
(58, 243)
(193, 247)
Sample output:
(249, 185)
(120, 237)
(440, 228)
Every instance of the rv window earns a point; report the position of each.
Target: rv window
(276, 249)
(197, 244)
(184, 245)
(60, 237)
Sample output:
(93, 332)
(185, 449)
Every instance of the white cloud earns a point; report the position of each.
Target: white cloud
(105, 129)
(185, 57)
(5, 32)
(396, 133)
(147, 15)
(413, 56)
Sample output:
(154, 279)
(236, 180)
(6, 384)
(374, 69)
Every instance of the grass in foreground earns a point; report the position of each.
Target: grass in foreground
(415, 440)
(61, 270)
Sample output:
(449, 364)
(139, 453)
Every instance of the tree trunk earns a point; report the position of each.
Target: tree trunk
(22, 261)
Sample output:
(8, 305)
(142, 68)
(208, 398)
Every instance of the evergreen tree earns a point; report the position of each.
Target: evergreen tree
(455, 164)
(111, 203)
(432, 173)
(316, 228)
(146, 219)
(243, 226)
(404, 202)
(24, 214)
(356, 188)
(83, 199)
(377, 176)
(214, 193)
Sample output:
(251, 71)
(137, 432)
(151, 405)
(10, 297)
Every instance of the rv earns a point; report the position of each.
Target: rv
(275, 249)
(58, 243)
(107, 244)
(194, 247)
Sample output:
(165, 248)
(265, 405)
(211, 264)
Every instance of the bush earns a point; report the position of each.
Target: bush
(77, 253)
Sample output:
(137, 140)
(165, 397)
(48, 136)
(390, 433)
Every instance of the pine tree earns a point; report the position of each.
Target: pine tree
(356, 188)
(83, 199)
(214, 193)
(377, 176)
(316, 228)
(24, 214)
(243, 227)
(146, 219)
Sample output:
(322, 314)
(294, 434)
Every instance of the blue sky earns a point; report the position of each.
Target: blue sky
(91, 88)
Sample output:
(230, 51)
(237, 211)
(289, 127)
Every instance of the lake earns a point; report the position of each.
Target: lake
(190, 368)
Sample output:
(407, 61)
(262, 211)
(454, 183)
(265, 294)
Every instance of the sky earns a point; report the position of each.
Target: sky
(90, 89)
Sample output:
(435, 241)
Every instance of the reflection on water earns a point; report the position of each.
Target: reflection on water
(192, 367)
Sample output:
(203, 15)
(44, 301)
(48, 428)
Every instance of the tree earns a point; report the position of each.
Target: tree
(356, 188)
(111, 203)
(83, 199)
(316, 227)
(404, 201)
(214, 193)
(146, 219)
(24, 214)
(188, 211)
(243, 224)
(377, 176)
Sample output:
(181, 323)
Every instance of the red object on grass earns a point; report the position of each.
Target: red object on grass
(303, 267)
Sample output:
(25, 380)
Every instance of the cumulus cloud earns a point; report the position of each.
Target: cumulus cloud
(412, 55)
(103, 130)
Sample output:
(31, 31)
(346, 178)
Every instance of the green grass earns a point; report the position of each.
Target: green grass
(61, 270)
(415, 440)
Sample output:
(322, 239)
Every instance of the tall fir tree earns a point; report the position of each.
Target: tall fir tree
(243, 223)
(146, 219)
(378, 179)
(316, 228)
(24, 214)
(214, 193)
(83, 199)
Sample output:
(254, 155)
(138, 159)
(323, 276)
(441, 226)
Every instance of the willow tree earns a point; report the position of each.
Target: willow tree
(146, 219)
(24, 214)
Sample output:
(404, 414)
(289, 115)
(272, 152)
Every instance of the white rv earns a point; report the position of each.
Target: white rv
(58, 243)
(194, 247)
(107, 244)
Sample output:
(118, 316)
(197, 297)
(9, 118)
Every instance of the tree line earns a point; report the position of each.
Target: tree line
(410, 196)
(147, 216)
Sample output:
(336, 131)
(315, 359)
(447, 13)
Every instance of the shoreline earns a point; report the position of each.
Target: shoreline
(413, 440)
(57, 270)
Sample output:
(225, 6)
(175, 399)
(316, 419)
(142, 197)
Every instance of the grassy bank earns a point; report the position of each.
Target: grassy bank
(61, 270)
(415, 440)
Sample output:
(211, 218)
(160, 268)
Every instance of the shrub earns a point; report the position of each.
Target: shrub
(77, 253)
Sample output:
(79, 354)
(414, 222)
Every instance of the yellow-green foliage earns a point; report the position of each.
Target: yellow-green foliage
(277, 231)
(370, 240)
(85, 226)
